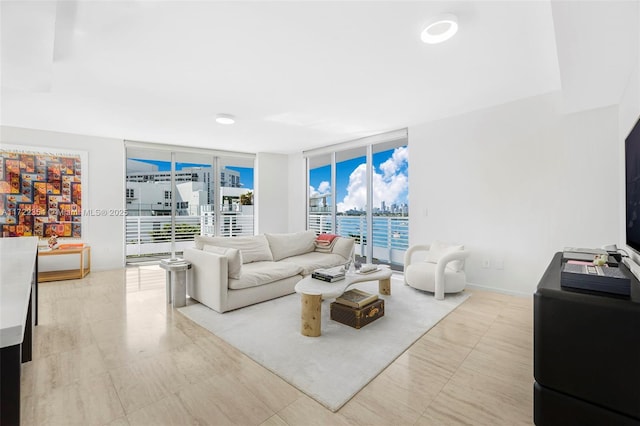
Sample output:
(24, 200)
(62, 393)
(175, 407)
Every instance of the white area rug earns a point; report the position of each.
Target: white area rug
(331, 368)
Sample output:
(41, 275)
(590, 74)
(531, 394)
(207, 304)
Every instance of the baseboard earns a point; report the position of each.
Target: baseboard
(400, 276)
(499, 290)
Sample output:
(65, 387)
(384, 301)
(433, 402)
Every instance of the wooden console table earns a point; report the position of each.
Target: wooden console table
(69, 274)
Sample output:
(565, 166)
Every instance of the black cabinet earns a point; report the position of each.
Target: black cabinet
(586, 354)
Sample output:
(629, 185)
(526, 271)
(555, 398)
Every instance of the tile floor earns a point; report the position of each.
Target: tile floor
(108, 350)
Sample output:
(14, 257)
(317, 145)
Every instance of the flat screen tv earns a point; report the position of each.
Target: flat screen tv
(632, 184)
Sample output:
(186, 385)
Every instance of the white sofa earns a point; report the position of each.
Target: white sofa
(232, 272)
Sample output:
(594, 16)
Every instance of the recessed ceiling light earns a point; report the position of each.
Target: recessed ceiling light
(440, 29)
(225, 119)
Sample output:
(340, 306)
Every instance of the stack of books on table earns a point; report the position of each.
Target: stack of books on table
(586, 276)
(356, 298)
(329, 275)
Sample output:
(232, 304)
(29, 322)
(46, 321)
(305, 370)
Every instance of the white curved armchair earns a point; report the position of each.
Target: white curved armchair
(441, 272)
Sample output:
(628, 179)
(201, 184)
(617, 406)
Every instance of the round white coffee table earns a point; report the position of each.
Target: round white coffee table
(313, 291)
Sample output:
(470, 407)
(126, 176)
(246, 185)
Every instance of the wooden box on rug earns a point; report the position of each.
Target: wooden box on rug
(357, 317)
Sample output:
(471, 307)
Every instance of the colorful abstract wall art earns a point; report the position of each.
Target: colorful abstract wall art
(40, 194)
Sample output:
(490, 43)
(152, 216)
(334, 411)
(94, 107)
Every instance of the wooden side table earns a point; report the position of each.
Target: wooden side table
(84, 266)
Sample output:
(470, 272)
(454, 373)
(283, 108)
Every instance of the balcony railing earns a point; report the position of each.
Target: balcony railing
(146, 235)
(232, 224)
(390, 234)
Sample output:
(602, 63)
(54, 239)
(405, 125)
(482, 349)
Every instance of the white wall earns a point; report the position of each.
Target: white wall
(297, 193)
(515, 183)
(272, 198)
(105, 187)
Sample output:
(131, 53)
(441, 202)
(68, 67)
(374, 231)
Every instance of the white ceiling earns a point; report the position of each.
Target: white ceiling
(298, 75)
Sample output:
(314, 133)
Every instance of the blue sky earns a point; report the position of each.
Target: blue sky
(390, 186)
(246, 173)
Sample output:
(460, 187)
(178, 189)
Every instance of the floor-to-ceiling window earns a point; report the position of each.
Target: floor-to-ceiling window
(320, 196)
(351, 196)
(174, 194)
(390, 205)
(359, 189)
(236, 196)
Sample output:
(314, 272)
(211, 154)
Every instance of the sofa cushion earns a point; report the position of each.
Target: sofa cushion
(292, 244)
(438, 249)
(254, 249)
(234, 258)
(260, 273)
(314, 260)
(344, 247)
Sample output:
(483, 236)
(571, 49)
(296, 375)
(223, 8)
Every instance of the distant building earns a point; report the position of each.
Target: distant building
(149, 190)
(139, 171)
(318, 203)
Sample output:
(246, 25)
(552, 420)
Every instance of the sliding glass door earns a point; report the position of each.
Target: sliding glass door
(360, 190)
(236, 197)
(149, 195)
(174, 195)
(320, 206)
(351, 193)
(390, 206)
(194, 193)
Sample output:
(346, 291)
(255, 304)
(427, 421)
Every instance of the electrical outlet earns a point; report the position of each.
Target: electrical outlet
(486, 263)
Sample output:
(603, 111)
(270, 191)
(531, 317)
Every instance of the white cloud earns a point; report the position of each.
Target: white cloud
(399, 157)
(389, 186)
(356, 197)
(323, 188)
